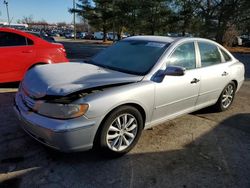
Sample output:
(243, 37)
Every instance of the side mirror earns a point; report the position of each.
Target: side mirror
(174, 71)
(170, 71)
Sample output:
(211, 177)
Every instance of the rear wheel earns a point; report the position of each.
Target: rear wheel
(226, 97)
(120, 131)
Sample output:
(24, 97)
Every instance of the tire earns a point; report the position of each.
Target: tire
(115, 137)
(226, 98)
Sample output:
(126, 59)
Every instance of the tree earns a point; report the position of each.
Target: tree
(26, 20)
(186, 11)
(205, 18)
(61, 24)
(219, 15)
(153, 13)
(98, 15)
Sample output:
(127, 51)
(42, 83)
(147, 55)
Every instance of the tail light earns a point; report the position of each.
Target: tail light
(62, 49)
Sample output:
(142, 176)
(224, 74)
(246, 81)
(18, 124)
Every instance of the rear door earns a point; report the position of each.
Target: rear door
(214, 74)
(17, 54)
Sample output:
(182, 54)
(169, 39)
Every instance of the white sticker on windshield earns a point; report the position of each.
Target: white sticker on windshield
(155, 44)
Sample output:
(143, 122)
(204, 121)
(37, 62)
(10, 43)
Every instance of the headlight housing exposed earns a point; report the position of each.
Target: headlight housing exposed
(61, 111)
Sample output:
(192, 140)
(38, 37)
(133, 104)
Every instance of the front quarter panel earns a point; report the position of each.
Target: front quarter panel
(103, 102)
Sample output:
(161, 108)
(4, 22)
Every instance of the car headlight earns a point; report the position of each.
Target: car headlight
(62, 111)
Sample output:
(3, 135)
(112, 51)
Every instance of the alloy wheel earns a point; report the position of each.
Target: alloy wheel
(122, 132)
(227, 96)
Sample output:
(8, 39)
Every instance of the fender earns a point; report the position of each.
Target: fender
(43, 60)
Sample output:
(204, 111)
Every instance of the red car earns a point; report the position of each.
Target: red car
(20, 51)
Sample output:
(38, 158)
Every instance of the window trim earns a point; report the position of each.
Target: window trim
(27, 43)
(224, 60)
(198, 56)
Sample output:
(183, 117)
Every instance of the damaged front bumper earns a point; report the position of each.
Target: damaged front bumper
(66, 135)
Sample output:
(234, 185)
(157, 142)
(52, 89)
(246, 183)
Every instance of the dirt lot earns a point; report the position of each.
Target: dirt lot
(203, 149)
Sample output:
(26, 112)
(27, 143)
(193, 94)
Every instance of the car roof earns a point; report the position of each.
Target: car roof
(8, 29)
(166, 39)
(152, 38)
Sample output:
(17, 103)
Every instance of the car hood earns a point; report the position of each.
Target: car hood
(66, 78)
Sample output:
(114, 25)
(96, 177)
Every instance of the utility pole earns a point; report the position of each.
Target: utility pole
(7, 9)
(113, 6)
(74, 18)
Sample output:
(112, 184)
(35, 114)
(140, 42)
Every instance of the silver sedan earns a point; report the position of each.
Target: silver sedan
(133, 85)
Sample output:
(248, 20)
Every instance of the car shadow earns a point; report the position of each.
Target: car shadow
(207, 110)
(217, 158)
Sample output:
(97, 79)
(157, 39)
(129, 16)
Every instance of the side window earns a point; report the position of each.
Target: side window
(184, 56)
(225, 55)
(210, 54)
(12, 39)
(3, 39)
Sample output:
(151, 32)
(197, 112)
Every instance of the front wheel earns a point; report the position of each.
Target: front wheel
(226, 98)
(121, 131)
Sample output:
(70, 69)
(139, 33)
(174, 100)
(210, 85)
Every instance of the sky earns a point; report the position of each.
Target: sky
(50, 10)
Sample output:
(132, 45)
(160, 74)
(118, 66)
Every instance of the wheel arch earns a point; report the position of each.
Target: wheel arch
(236, 84)
(135, 105)
(35, 64)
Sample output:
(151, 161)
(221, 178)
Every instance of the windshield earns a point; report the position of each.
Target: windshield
(130, 56)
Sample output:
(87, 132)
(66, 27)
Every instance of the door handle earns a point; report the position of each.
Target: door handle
(194, 81)
(224, 73)
(27, 51)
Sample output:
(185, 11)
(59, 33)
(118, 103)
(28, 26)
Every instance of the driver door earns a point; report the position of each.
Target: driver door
(177, 95)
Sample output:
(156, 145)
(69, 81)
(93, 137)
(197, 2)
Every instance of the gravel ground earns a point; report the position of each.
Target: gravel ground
(202, 149)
